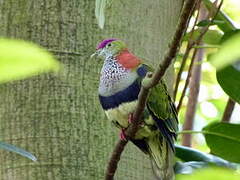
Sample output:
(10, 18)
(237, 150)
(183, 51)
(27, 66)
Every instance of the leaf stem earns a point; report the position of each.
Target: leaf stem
(189, 132)
(206, 46)
(228, 110)
(210, 133)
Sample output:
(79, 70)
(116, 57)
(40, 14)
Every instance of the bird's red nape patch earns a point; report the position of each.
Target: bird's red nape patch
(128, 60)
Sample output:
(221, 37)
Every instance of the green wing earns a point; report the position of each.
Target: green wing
(163, 111)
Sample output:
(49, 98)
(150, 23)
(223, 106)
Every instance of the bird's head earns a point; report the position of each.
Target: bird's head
(109, 47)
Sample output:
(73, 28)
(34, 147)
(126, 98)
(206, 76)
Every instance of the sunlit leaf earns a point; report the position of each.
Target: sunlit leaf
(17, 150)
(100, 6)
(211, 173)
(228, 53)
(223, 140)
(228, 24)
(20, 59)
(211, 36)
(220, 105)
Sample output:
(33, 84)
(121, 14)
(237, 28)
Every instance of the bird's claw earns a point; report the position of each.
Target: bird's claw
(130, 118)
(122, 135)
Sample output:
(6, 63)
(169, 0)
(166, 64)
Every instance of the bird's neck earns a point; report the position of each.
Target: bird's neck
(127, 59)
(115, 77)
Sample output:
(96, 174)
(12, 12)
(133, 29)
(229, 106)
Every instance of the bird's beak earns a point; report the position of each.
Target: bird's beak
(95, 54)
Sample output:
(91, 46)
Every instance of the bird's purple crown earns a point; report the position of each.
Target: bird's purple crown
(105, 42)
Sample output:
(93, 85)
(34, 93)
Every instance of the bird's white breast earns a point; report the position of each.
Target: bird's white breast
(114, 77)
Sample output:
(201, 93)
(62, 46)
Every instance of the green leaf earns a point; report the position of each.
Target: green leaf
(211, 174)
(188, 167)
(229, 34)
(228, 53)
(20, 59)
(100, 6)
(229, 80)
(206, 22)
(17, 150)
(228, 24)
(190, 154)
(203, 23)
(210, 37)
(224, 140)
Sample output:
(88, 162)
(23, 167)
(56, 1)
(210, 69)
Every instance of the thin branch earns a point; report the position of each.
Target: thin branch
(197, 42)
(190, 45)
(228, 110)
(206, 46)
(131, 131)
(194, 86)
(187, 80)
(179, 74)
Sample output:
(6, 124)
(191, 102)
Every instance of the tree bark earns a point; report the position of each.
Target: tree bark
(194, 87)
(58, 117)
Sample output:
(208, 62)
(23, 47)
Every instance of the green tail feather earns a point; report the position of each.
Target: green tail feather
(162, 158)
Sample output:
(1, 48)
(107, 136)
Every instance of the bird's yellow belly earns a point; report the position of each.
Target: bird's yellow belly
(121, 115)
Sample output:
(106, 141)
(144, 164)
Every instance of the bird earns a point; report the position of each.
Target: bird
(120, 82)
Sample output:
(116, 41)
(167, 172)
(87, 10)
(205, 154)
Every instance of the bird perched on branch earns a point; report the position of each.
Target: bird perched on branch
(120, 83)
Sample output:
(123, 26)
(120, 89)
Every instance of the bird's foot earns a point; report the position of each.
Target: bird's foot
(122, 135)
(130, 118)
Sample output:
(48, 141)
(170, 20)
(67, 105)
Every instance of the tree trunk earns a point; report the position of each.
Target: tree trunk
(58, 117)
(194, 87)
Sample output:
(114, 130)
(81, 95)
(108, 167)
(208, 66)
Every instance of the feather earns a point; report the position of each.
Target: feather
(128, 60)
(163, 112)
(127, 95)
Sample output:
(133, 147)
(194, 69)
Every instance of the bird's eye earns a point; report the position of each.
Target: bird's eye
(109, 45)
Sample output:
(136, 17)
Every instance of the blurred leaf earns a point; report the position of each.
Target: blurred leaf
(228, 53)
(207, 22)
(100, 6)
(211, 36)
(229, 34)
(224, 140)
(220, 105)
(227, 24)
(188, 167)
(211, 173)
(20, 59)
(190, 154)
(17, 150)
(208, 77)
(229, 80)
